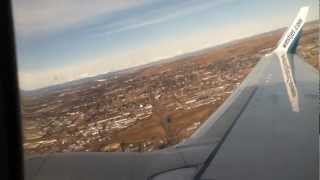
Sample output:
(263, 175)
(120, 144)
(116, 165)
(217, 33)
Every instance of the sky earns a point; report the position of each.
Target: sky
(64, 40)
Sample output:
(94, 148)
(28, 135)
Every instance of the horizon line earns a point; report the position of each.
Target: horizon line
(175, 57)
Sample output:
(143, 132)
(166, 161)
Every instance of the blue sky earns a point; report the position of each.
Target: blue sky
(59, 40)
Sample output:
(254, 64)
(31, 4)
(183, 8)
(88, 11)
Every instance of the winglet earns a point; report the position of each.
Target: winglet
(290, 39)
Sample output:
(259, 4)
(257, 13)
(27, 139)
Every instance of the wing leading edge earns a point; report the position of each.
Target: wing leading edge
(267, 129)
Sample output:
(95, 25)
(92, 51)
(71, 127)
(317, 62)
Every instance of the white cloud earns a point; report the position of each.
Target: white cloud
(160, 14)
(42, 16)
(38, 17)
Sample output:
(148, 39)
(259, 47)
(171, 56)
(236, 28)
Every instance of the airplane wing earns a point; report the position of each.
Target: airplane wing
(267, 129)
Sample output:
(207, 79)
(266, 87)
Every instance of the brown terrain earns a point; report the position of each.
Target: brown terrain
(149, 107)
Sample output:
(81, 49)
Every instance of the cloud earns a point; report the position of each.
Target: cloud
(40, 17)
(45, 16)
(158, 14)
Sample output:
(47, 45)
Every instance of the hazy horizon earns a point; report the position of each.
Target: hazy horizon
(147, 63)
(57, 45)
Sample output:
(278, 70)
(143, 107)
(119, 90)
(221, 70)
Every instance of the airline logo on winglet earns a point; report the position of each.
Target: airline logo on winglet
(292, 33)
(290, 36)
(284, 47)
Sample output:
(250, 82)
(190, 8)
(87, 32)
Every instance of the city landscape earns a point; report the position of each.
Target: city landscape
(148, 107)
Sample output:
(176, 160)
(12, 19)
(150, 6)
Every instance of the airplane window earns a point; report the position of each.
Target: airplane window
(143, 76)
(100, 76)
